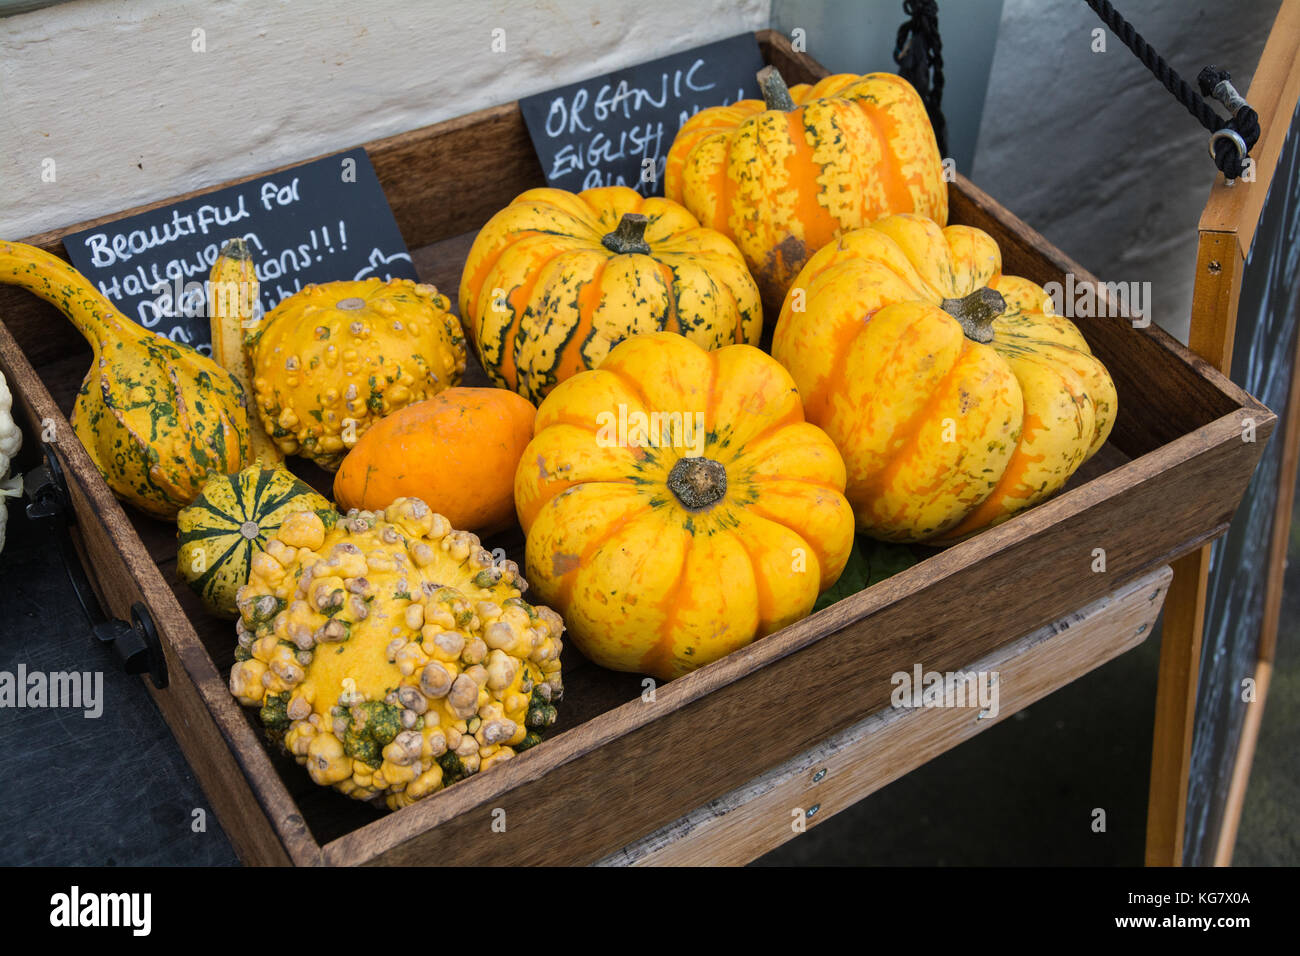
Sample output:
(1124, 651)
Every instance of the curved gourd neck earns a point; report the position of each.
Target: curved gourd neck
(53, 280)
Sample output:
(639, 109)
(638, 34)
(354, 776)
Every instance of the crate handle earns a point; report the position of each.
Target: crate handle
(136, 644)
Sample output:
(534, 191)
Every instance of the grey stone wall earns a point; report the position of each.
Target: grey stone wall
(1089, 148)
(858, 36)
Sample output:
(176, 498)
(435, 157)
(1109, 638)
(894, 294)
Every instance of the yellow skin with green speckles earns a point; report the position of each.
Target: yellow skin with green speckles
(557, 279)
(156, 416)
(391, 654)
(785, 175)
(333, 359)
(956, 395)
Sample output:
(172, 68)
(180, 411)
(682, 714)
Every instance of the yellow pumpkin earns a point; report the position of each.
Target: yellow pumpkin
(956, 395)
(785, 175)
(677, 506)
(557, 279)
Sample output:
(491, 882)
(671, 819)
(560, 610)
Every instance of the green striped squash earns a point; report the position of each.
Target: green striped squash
(231, 521)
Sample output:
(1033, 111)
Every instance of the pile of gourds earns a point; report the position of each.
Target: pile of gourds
(682, 492)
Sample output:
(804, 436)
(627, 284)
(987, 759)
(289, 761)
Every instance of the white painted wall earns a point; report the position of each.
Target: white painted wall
(114, 93)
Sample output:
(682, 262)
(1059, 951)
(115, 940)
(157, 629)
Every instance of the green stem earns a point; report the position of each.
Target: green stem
(698, 483)
(236, 249)
(976, 312)
(775, 93)
(629, 236)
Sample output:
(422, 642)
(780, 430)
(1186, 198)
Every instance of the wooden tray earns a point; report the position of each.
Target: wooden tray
(616, 769)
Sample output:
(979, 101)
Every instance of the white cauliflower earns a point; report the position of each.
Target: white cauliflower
(11, 439)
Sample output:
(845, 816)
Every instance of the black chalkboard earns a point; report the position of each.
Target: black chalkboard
(615, 130)
(317, 222)
(1262, 357)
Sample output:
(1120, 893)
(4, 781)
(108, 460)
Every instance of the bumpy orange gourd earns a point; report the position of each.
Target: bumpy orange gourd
(457, 452)
(785, 175)
(334, 358)
(677, 506)
(957, 397)
(557, 279)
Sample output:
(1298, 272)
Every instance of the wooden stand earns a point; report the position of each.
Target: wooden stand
(815, 696)
(828, 778)
(1226, 229)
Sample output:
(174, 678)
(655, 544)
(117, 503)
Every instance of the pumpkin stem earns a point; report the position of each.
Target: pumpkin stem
(976, 312)
(629, 236)
(698, 483)
(775, 93)
(236, 248)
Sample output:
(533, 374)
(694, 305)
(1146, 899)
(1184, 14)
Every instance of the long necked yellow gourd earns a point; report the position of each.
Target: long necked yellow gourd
(232, 299)
(156, 416)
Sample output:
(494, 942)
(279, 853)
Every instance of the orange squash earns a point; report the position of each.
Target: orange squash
(677, 505)
(785, 175)
(956, 395)
(457, 452)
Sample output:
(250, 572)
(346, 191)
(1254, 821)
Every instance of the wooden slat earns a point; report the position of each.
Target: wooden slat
(793, 67)
(1175, 712)
(854, 763)
(1227, 840)
(1273, 90)
(1215, 294)
(1226, 231)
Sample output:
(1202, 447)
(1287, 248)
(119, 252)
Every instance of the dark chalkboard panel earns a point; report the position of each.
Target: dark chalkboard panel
(1263, 353)
(615, 130)
(317, 222)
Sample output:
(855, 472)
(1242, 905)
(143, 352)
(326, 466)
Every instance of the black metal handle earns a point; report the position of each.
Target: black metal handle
(135, 644)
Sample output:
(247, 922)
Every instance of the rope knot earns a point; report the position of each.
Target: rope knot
(918, 51)
(1213, 83)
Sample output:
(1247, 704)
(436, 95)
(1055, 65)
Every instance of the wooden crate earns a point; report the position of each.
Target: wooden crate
(616, 768)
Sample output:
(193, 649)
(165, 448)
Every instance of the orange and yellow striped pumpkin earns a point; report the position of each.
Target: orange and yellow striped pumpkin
(677, 506)
(955, 394)
(557, 279)
(786, 175)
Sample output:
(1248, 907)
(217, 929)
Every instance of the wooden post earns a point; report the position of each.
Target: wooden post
(1226, 229)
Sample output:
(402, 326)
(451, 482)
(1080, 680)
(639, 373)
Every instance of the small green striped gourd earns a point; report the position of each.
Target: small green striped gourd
(230, 522)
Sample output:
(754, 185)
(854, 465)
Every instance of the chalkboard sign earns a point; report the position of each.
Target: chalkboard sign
(318, 222)
(615, 130)
(1262, 357)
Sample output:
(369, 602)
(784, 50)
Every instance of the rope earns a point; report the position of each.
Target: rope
(1245, 122)
(918, 51)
